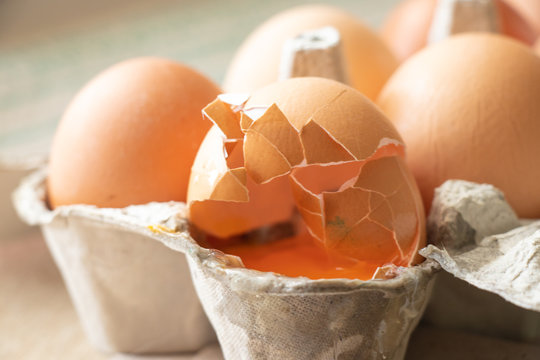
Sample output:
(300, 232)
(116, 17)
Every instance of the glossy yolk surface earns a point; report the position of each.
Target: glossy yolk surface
(300, 255)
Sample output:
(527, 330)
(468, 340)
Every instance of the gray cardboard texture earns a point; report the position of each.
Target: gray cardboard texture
(478, 238)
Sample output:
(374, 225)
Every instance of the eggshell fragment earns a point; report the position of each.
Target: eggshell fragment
(468, 109)
(368, 61)
(130, 136)
(407, 27)
(224, 208)
(344, 161)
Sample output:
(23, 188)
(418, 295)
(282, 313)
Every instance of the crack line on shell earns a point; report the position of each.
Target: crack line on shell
(277, 150)
(392, 142)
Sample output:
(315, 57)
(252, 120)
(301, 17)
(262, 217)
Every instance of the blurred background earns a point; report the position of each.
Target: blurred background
(50, 49)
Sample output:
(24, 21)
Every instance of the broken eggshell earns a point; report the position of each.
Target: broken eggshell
(479, 239)
(263, 315)
(318, 147)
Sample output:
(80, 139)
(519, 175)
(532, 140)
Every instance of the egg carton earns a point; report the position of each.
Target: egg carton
(260, 315)
(12, 170)
(494, 258)
(131, 293)
(458, 16)
(135, 295)
(490, 286)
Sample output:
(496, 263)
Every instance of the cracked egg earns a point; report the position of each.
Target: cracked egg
(311, 162)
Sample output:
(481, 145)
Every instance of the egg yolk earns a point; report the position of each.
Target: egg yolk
(282, 257)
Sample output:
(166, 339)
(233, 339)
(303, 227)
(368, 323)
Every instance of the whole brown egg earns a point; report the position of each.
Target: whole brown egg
(468, 108)
(407, 27)
(530, 10)
(369, 62)
(130, 135)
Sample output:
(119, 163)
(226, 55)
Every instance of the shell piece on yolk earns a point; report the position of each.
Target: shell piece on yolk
(356, 198)
(275, 127)
(319, 146)
(231, 187)
(376, 200)
(222, 189)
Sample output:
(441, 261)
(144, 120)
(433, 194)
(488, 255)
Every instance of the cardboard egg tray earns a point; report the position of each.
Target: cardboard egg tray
(135, 295)
(132, 294)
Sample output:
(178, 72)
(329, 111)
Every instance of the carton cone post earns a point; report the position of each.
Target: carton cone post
(457, 16)
(314, 53)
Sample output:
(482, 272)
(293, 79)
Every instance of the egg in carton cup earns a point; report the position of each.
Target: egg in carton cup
(319, 150)
(126, 138)
(13, 169)
(262, 315)
(131, 293)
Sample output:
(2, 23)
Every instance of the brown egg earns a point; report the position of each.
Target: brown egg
(317, 146)
(468, 109)
(368, 61)
(130, 135)
(405, 30)
(530, 10)
(407, 27)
